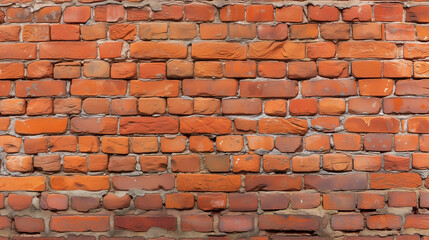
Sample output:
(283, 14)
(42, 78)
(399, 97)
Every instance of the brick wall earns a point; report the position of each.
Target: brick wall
(214, 120)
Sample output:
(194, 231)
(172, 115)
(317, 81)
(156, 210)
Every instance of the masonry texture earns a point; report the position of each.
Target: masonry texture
(214, 120)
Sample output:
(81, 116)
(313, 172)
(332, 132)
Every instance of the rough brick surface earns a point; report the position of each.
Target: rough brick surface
(201, 119)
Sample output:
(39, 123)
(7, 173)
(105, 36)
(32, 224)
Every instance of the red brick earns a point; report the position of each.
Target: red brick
(167, 88)
(367, 200)
(107, 125)
(397, 69)
(371, 49)
(54, 202)
(205, 182)
(280, 125)
(13, 106)
(372, 124)
(211, 50)
(185, 163)
(232, 13)
(10, 33)
(19, 202)
(153, 30)
(5, 222)
(361, 13)
(351, 181)
(260, 13)
(304, 31)
(333, 69)
(246, 163)
(396, 163)
(39, 69)
(323, 13)
(147, 182)
(305, 200)
(272, 182)
(35, 145)
(289, 14)
(236, 223)
(148, 202)
(381, 222)
(325, 124)
(268, 32)
(319, 50)
(111, 49)
(335, 31)
(289, 222)
(276, 50)
(68, 32)
(49, 163)
(275, 107)
(213, 31)
(241, 106)
(317, 143)
(77, 50)
(217, 163)
(417, 14)
(400, 32)
(309, 163)
(18, 51)
(109, 13)
(67, 106)
(402, 199)
(415, 50)
(63, 143)
(378, 142)
(394, 180)
(97, 162)
(77, 14)
(363, 31)
(269, 88)
(326, 87)
(276, 163)
(242, 31)
(197, 223)
(337, 162)
(153, 163)
(220, 125)
(138, 14)
(141, 223)
(76, 182)
(388, 12)
(122, 163)
(339, 201)
(169, 12)
(347, 222)
(424, 199)
(27, 224)
(164, 50)
(19, 15)
(201, 144)
(41, 125)
(272, 69)
(76, 164)
(274, 201)
(243, 202)
(65, 223)
(50, 14)
(114, 202)
(212, 201)
(199, 12)
(152, 70)
(418, 221)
